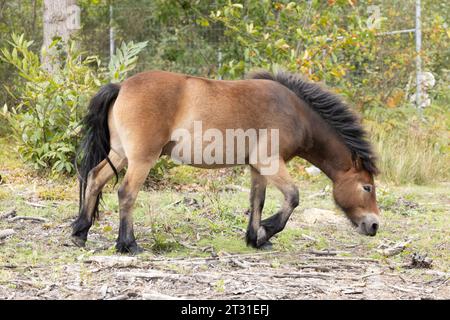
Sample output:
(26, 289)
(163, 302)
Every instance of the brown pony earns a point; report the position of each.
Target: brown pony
(132, 124)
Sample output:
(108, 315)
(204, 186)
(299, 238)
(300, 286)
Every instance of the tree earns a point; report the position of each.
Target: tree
(61, 18)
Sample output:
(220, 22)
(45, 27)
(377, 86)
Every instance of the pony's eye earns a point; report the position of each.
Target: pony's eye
(367, 188)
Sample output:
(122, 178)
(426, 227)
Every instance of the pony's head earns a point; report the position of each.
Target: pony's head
(354, 193)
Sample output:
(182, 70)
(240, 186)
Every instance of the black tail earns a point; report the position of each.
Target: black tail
(95, 144)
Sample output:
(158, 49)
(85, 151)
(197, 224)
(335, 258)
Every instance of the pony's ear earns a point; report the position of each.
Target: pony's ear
(357, 162)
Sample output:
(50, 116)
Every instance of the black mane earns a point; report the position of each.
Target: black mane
(332, 109)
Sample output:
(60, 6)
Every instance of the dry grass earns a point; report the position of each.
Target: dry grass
(416, 156)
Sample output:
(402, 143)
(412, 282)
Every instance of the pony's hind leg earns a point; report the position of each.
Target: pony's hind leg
(257, 197)
(134, 178)
(277, 222)
(96, 180)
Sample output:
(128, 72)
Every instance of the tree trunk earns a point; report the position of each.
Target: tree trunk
(60, 20)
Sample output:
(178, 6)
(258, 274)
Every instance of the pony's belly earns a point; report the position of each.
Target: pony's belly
(203, 155)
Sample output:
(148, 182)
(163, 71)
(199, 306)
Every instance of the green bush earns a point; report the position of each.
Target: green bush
(45, 122)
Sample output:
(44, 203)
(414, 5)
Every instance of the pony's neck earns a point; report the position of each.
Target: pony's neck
(328, 152)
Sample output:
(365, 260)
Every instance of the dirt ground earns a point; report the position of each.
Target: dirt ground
(191, 225)
(318, 257)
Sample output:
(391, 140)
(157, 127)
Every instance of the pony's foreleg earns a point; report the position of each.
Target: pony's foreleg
(97, 179)
(277, 222)
(257, 197)
(134, 178)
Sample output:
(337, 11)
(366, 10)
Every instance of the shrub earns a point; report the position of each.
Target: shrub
(45, 122)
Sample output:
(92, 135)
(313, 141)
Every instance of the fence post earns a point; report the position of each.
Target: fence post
(219, 60)
(111, 32)
(418, 58)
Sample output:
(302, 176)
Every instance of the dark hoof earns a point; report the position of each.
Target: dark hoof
(79, 242)
(250, 238)
(266, 246)
(261, 237)
(258, 240)
(131, 248)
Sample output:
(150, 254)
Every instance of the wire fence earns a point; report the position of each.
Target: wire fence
(185, 45)
(192, 48)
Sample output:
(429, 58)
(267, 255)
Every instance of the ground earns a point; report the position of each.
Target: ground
(191, 225)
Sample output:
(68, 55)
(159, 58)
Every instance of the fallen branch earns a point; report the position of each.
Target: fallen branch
(401, 289)
(6, 233)
(315, 267)
(371, 275)
(154, 274)
(36, 205)
(158, 296)
(8, 214)
(231, 256)
(305, 236)
(344, 259)
(241, 264)
(119, 297)
(395, 249)
(309, 275)
(244, 290)
(326, 252)
(36, 219)
(113, 261)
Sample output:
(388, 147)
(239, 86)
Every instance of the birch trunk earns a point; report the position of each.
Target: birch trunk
(60, 21)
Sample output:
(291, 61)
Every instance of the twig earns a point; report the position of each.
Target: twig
(326, 252)
(394, 250)
(401, 289)
(305, 236)
(158, 296)
(154, 274)
(217, 258)
(344, 259)
(315, 267)
(245, 290)
(241, 264)
(318, 194)
(35, 204)
(119, 297)
(311, 275)
(371, 275)
(37, 219)
(6, 233)
(10, 213)
(113, 261)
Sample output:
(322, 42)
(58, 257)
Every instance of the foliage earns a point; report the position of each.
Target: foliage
(46, 121)
(336, 42)
(124, 60)
(330, 41)
(323, 46)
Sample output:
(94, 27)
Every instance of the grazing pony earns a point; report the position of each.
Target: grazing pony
(133, 123)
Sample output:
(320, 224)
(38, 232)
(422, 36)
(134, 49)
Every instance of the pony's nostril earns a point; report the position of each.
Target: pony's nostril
(374, 227)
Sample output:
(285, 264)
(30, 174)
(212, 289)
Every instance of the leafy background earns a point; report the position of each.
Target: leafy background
(328, 41)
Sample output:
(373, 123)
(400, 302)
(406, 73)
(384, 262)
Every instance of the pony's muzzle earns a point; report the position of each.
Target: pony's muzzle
(369, 225)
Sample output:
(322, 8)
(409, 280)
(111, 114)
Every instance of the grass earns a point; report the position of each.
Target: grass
(412, 160)
(167, 226)
(412, 146)
(193, 217)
